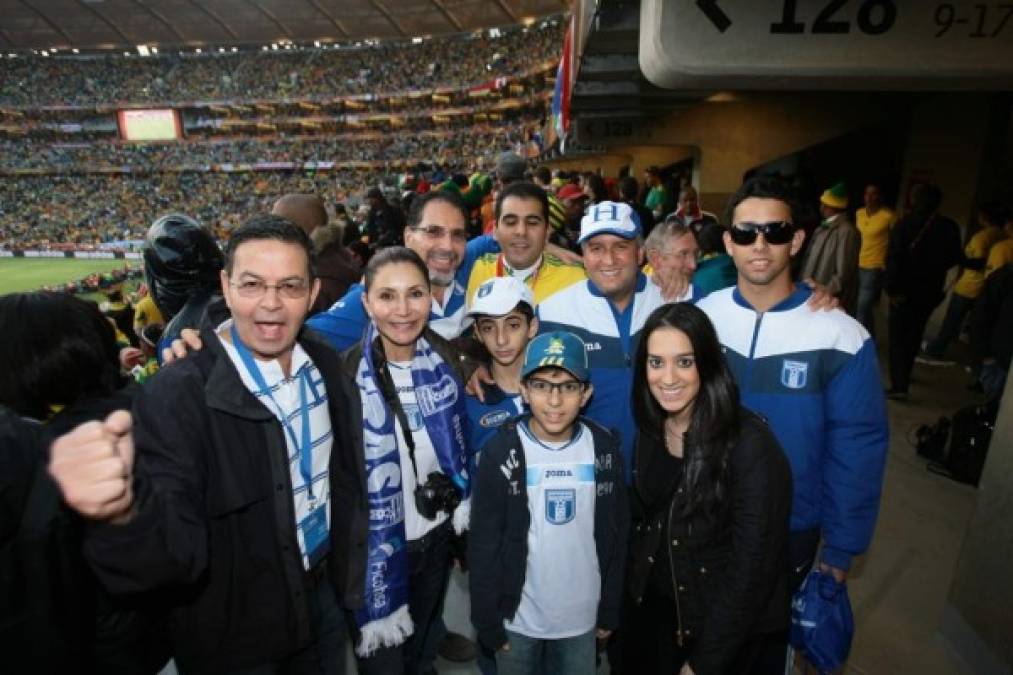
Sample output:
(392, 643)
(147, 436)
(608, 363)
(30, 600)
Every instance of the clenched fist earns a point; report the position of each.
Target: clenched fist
(93, 465)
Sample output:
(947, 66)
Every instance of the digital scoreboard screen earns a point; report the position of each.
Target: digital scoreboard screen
(149, 125)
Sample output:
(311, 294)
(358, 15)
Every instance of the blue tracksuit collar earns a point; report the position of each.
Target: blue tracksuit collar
(798, 296)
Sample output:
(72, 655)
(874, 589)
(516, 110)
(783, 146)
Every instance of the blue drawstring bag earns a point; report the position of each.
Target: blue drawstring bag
(821, 622)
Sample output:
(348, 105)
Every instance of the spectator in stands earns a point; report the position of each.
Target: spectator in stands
(924, 246)
(672, 251)
(60, 368)
(628, 191)
(557, 212)
(831, 259)
(385, 223)
(182, 264)
(715, 269)
(991, 216)
(659, 197)
(992, 331)
(688, 210)
(335, 268)
(874, 221)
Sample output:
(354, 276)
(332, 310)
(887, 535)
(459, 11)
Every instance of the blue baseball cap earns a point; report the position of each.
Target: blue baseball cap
(558, 349)
(609, 218)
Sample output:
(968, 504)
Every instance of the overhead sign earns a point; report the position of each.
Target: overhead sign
(829, 44)
(611, 130)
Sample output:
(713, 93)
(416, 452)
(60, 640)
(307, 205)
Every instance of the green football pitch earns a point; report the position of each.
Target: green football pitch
(29, 274)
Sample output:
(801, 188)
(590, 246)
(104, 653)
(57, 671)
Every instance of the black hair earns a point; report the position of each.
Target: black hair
(597, 185)
(995, 212)
(390, 256)
(543, 174)
(763, 187)
(419, 204)
(57, 348)
(710, 239)
(926, 200)
(714, 421)
(628, 188)
(270, 226)
(523, 190)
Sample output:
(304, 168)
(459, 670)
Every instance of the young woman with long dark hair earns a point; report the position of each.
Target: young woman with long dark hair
(712, 494)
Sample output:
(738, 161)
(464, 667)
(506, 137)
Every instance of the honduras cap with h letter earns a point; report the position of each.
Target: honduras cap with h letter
(558, 349)
(610, 218)
(499, 296)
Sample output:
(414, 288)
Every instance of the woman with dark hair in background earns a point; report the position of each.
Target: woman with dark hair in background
(708, 571)
(59, 368)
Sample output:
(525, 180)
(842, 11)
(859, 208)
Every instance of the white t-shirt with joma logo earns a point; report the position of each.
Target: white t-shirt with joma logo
(562, 583)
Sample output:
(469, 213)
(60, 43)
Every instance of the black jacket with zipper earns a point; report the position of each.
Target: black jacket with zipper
(500, 520)
(728, 569)
(214, 518)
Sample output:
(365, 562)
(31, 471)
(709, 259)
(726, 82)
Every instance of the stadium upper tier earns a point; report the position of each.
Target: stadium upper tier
(445, 146)
(309, 73)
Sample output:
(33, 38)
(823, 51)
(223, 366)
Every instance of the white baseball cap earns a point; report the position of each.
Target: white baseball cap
(499, 296)
(609, 218)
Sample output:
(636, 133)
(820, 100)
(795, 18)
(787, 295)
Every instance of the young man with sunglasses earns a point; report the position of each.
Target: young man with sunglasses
(812, 374)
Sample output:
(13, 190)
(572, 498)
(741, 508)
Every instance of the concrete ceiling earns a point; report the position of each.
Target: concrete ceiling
(122, 24)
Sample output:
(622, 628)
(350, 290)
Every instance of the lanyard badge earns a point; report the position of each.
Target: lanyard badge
(306, 446)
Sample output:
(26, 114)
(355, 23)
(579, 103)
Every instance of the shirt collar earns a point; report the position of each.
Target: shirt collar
(597, 292)
(797, 297)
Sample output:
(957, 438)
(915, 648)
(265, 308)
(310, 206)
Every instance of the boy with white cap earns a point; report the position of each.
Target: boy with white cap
(503, 309)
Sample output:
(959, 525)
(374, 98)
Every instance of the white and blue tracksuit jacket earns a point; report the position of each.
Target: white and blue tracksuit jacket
(815, 377)
(611, 341)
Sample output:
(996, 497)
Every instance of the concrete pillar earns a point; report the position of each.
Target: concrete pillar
(978, 619)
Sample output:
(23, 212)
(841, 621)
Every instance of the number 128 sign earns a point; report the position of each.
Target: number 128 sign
(830, 44)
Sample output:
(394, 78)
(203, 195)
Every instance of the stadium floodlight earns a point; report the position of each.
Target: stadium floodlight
(76, 51)
(221, 50)
(143, 50)
(494, 32)
(264, 48)
(416, 40)
(126, 53)
(154, 50)
(316, 43)
(198, 51)
(235, 49)
(274, 45)
(44, 53)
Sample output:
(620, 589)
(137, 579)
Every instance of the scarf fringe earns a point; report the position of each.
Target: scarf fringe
(462, 516)
(390, 631)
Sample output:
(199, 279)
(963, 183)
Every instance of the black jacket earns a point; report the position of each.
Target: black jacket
(921, 250)
(728, 570)
(992, 319)
(214, 513)
(500, 520)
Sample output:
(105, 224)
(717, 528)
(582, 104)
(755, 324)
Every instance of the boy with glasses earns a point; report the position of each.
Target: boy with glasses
(549, 523)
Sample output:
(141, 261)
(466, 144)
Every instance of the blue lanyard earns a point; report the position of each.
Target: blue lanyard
(306, 448)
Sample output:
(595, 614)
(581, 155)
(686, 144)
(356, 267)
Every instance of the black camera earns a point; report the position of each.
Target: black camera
(437, 494)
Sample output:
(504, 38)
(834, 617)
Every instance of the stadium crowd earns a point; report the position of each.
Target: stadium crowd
(309, 73)
(414, 142)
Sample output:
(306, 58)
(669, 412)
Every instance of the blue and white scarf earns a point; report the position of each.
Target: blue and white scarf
(384, 621)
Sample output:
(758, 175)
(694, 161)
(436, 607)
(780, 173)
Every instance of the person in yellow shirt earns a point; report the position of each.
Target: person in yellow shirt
(146, 311)
(992, 216)
(874, 222)
(1002, 251)
(521, 230)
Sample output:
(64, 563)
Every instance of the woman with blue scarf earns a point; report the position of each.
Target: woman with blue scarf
(413, 480)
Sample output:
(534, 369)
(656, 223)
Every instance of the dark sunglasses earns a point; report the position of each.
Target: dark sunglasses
(778, 232)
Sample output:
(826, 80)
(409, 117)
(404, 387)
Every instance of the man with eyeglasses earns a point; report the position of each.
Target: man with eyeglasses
(812, 374)
(227, 507)
(437, 231)
(671, 251)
